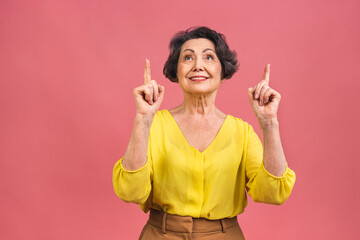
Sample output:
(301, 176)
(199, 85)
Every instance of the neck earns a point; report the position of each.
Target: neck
(199, 104)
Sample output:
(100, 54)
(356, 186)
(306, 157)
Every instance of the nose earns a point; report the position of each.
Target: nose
(198, 65)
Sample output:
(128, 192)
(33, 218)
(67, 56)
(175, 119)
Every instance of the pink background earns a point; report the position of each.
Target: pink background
(67, 70)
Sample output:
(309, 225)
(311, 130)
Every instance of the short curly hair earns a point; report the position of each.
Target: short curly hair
(229, 63)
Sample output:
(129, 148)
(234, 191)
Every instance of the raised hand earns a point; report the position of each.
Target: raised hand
(263, 99)
(148, 96)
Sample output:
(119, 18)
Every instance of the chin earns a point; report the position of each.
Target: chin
(200, 90)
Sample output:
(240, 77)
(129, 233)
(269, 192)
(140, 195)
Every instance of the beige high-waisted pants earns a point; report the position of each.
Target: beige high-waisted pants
(164, 226)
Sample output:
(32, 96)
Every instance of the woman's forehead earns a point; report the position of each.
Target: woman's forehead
(198, 44)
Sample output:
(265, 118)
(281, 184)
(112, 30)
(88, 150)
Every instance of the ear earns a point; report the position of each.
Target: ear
(222, 80)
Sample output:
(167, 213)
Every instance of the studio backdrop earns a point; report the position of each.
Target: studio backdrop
(67, 71)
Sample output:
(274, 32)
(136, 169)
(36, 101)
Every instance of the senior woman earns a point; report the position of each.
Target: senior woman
(192, 165)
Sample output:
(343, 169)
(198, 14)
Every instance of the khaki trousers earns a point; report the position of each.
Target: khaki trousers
(164, 226)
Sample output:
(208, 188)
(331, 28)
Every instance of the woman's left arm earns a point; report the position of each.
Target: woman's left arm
(265, 102)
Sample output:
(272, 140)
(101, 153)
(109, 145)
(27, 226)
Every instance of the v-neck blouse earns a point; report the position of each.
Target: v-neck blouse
(179, 179)
(182, 137)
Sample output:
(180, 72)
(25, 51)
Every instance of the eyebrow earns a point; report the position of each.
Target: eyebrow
(206, 49)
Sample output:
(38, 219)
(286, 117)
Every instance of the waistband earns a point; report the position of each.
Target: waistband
(176, 223)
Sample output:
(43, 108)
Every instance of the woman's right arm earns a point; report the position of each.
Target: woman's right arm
(131, 178)
(136, 152)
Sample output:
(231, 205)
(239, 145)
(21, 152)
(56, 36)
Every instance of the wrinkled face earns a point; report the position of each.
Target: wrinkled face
(199, 68)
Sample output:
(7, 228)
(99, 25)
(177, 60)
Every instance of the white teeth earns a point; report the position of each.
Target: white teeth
(198, 78)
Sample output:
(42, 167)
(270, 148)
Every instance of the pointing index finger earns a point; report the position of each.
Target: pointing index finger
(147, 73)
(266, 75)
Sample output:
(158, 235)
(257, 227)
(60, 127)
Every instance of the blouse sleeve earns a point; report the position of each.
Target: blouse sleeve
(261, 185)
(133, 186)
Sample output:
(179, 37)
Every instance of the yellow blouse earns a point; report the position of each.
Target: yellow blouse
(179, 179)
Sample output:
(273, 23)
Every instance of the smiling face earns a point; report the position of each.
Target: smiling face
(199, 68)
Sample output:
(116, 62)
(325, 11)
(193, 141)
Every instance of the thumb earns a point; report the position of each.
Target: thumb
(161, 94)
(161, 91)
(251, 94)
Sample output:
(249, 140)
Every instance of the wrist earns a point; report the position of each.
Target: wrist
(144, 118)
(268, 123)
